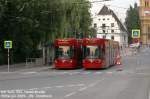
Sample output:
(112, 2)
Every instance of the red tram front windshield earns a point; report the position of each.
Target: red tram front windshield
(93, 53)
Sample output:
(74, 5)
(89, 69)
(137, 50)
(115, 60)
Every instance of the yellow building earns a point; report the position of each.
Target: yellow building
(145, 21)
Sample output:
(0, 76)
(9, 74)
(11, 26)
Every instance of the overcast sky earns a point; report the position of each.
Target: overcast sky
(118, 6)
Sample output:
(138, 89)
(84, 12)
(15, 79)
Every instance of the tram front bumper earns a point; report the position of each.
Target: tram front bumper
(93, 64)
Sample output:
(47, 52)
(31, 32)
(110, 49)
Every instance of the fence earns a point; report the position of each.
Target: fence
(34, 61)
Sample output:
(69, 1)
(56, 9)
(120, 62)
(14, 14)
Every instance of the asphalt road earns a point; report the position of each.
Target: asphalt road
(131, 80)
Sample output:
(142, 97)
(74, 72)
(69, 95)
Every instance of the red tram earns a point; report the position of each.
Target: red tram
(68, 53)
(99, 53)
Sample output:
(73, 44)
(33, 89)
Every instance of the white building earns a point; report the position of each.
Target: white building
(109, 26)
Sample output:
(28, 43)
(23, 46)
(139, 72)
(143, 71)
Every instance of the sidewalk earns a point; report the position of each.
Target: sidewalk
(23, 68)
(131, 51)
(126, 52)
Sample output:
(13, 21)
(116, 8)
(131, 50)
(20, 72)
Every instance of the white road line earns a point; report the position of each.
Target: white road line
(59, 86)
(98, 72)
(76, 85)
(26, 73)
(34, 89)
(70, 94)
(109, 72)
(74, 73)
(46, 87)
(65, 72)
(86, 73)
(82, 89)
(62, 73)
(81, 85)
(73, 85)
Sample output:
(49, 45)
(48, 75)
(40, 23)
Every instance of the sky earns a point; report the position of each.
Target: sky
(118, 6)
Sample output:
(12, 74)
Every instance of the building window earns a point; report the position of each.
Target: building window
(146, 3)
(112, 25)
(104, 36)
(103, 25)
(112, 31)
(95, 25)
(108, 19)
(103, 19)
(99, 19)
(148, 34)
(104, 31)
(112, 37)
(124, 38)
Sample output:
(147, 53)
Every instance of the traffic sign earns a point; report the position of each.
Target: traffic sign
(135, 40)
(136, 33)
(7, 44)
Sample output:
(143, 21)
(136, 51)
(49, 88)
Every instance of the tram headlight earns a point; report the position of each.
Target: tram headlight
(55, 61)
(71, 61)
(83, 61)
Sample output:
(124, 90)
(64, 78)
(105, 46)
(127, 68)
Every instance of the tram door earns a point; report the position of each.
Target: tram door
(111, 52)
(107, 53)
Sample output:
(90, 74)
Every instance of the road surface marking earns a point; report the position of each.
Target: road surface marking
(82, 89)
(76, 85)
(74, 73)
(81, 85)
(34, 89)
(109, 72)
(26, 73)
(59, 86)
(46, 87)
(71, 85)
(98, 73)
(70, 94)
(62, 73)
(65, 72)
(86, 72)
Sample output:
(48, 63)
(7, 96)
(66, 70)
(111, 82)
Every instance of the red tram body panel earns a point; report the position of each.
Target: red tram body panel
(99, 53)
(68, 53)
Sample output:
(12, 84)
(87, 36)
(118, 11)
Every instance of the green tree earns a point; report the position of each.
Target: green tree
(132, 20)
(30, 23)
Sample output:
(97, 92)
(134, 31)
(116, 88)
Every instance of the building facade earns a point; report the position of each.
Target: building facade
(109, 26)
(145, 21)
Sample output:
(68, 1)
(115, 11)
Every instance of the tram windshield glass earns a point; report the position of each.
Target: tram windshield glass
(92, 52)
(64, 52)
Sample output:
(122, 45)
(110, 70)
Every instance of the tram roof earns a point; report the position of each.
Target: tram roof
(66, 42)
(95, 41)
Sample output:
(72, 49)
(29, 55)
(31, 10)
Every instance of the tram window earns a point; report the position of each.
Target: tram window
(101, 54)
(64, 52)
(92, 52)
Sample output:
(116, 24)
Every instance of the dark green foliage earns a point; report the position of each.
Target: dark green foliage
(30, 23)
(132, 20)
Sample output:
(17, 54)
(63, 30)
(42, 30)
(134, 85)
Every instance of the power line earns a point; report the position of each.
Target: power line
(98, 1)
(113, 6)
